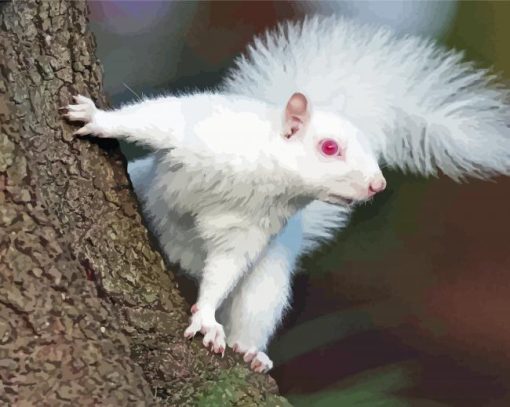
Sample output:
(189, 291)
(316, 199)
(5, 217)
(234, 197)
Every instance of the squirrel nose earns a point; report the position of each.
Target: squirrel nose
(376, 185)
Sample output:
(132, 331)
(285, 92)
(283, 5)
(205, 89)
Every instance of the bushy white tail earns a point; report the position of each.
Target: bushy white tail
(422, 108)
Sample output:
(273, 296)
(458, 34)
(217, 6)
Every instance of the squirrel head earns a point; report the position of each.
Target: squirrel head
(332, 157)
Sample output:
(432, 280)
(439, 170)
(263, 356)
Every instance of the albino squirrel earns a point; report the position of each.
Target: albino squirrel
(245, 180)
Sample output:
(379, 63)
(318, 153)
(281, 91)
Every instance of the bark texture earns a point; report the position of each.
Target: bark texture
(89, 314)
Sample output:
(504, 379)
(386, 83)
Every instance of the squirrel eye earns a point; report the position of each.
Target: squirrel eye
(329, 147)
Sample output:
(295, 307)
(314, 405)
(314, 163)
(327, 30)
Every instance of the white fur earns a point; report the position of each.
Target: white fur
(235, 203)
(422, 107)
(223, 183)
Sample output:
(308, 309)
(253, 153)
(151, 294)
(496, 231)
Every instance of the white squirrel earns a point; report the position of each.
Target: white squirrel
(245, 180)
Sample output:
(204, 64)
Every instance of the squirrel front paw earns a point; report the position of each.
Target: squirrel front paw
(83, 111)
(204, 322)
(259, 361)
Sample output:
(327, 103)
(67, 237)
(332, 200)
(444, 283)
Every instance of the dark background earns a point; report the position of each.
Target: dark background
(410, 305)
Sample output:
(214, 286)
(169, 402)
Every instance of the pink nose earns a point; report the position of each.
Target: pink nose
(377, 185)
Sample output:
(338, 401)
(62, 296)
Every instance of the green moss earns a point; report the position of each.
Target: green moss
(231, 388)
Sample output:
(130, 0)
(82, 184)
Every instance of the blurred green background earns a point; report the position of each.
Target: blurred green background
(409, 306)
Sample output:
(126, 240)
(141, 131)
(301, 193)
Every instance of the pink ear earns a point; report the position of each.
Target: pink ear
(296, 114)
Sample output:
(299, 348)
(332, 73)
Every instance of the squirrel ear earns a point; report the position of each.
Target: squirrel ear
(297, 114)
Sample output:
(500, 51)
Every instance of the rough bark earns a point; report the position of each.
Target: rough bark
(89, 313)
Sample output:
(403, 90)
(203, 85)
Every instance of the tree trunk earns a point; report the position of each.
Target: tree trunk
(89, 313)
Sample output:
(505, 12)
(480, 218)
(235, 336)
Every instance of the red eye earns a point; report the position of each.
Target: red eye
(329, 147)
